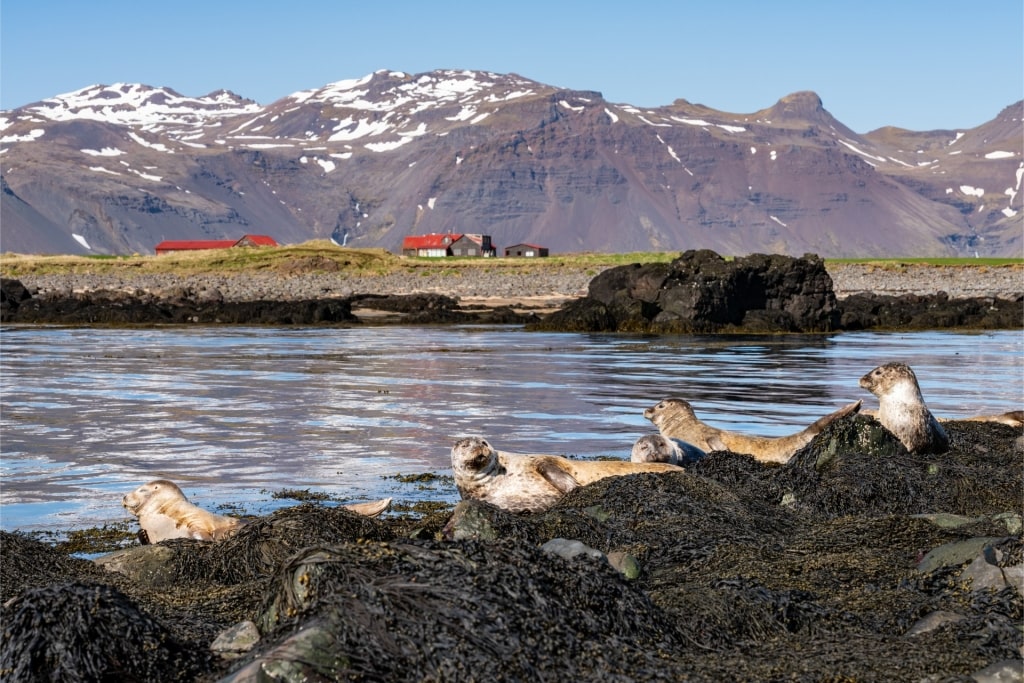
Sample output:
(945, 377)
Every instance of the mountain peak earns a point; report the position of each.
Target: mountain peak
(386, 90)
(805, 105)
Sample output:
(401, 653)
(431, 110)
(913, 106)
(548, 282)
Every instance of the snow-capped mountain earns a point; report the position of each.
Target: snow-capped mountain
(116, 169)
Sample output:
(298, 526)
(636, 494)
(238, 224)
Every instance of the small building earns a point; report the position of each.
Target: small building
(167, 246)
(438, 245)
(526, 250)
(473, 245)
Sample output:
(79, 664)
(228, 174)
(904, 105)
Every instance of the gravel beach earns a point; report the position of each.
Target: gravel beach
(539, 286)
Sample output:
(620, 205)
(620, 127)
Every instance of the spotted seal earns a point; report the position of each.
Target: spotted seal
(658, 448)
(675, 419)
(521, 482)
(164, 512)
(902, 410)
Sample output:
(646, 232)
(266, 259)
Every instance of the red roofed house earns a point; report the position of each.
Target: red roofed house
(449, 244)
(168, 246)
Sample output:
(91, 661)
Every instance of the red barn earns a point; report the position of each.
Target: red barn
(167, 246)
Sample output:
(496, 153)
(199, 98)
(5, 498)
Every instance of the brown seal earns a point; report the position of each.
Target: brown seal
(675, 419)
(164, 513)
(901, 408)
(521, 482)
(659, 448)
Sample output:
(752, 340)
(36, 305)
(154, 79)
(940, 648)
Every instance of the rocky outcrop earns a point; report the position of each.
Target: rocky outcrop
(702, 293)
(184, 305)
(934, 312)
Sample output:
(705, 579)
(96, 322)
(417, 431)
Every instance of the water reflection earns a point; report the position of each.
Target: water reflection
(235, 413)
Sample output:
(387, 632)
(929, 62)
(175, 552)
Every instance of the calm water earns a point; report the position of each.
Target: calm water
(234, 414)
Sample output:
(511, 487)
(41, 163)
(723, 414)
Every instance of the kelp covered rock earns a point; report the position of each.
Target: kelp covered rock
(84, 632)
(417, 610)
(854, 561)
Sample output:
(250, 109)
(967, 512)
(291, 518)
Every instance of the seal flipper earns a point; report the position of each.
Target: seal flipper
(556, 476)
(715, 443)
(688, 454)
(819, 425)
(371, 509)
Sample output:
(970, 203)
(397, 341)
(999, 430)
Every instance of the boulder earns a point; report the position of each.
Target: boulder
(701, 292)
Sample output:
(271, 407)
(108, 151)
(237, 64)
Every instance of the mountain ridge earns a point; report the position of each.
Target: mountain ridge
(116, 169)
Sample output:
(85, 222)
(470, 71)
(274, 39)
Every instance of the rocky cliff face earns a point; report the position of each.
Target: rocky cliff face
(116, 169)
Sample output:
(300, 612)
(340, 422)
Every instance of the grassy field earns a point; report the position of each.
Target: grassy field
(324, 256)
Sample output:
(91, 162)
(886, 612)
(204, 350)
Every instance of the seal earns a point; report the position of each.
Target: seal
(902, 410)
(165, 513)
(520, 482)
(658, 448)
(675, 419)
(1014, 418)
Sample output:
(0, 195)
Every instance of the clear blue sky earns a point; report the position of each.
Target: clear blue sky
(917, 64)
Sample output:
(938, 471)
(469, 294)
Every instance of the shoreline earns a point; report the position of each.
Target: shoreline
(543, 289)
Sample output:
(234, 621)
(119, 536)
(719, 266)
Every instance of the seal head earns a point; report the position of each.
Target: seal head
(659, 448)
(902, 410)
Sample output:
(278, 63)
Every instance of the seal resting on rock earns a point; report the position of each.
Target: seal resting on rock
(675, 419)
(658, 448)
(901, 408)
(165, 513)
(520, 482)
(1014, 418)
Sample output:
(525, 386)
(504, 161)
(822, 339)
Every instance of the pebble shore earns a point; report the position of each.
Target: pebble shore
(957, 281)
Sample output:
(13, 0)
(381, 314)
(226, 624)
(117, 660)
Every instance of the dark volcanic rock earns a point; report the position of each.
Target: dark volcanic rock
(915, 312)
(12, 294)
(701, 292)
(178, 306)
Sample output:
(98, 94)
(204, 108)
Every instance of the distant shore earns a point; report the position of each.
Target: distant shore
(541, 288)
